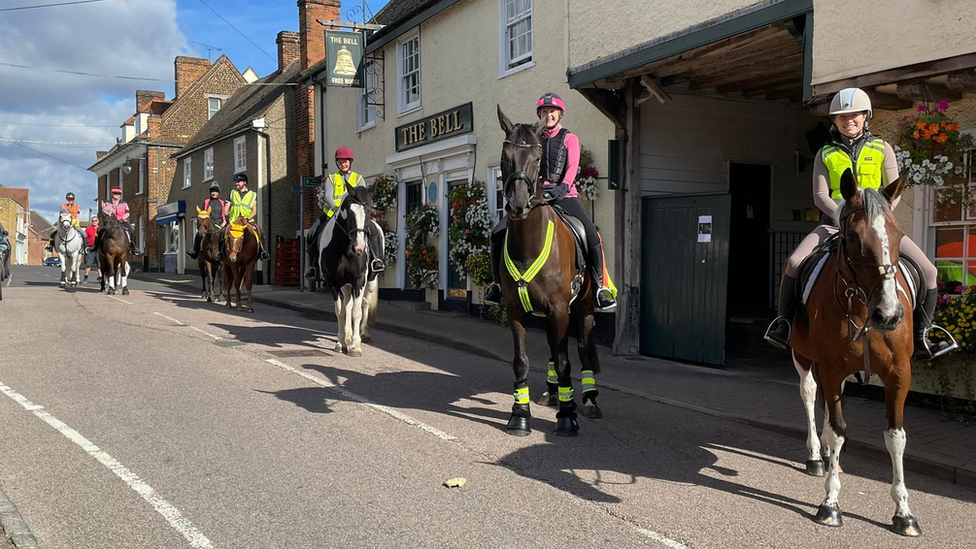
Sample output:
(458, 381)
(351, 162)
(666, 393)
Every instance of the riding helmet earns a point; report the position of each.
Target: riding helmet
(850, 100)
(69, 196)
(215, 187)
(241, 177)
(344, 153)
(550, 100)
(116, 190)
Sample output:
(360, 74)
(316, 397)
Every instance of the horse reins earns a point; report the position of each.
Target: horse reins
(520, 174)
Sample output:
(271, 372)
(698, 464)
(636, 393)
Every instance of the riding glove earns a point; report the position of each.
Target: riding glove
(556, 193)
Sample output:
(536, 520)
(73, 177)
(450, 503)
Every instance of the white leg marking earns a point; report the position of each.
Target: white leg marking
(832, 483)
(164, 508)
(347, 315)
(353, 396)
(889, 288)
(808, 394)
(356, 323)
(895, 440)
(340, 323)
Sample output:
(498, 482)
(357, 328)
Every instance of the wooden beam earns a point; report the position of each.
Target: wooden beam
(756, 69)
(901, 74)
(609, 103)
(888, 101)
(920, 90)
(751, 85)
(736, 47)
(963, 81)
(627, 235)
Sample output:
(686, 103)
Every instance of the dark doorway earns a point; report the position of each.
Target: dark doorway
(749, 274)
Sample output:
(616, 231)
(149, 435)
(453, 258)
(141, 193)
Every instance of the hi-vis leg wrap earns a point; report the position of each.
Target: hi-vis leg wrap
(551, 376)
(589, 381)
(521, 395)
(565, 394)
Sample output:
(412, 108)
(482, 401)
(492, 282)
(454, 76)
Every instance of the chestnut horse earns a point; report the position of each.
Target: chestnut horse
(210, 270)
(541, 252)
(240, 255)
(113, 251)
(858, 320)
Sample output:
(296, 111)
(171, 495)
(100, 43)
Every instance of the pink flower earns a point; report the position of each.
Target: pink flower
(942, 106)
(921, 107)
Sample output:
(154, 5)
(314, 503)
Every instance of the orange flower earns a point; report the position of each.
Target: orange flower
(920, 124)
(915, 134)
(942, 138)
(934, 128)
(953, 127)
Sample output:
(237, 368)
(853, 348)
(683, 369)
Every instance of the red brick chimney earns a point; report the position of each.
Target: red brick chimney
(144, 99)
(289, 48)
(188, 70)
(311, 31)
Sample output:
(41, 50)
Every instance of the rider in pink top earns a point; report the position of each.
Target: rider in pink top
(572, 146)
(122, 214)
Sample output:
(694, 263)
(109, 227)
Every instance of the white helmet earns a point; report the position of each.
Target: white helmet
(850, 100)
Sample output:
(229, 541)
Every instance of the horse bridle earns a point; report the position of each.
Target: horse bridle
(351, 233)
(520, 174)
(71, 234)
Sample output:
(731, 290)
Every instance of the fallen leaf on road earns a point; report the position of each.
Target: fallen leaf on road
(455, 482)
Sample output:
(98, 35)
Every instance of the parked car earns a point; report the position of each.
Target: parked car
(52, 262)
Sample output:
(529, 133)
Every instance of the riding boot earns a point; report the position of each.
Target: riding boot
(779, 331)
(605, 300)
(220, 246)
(311, 249)
(376, 248)
(926, 348)
(197, 240)
(493, 293)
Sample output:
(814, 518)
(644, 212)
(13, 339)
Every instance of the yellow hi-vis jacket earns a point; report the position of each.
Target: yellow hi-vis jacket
(241, 205)
(870, 165)
(339, 189)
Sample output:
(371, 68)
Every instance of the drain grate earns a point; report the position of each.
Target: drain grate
(296, 353)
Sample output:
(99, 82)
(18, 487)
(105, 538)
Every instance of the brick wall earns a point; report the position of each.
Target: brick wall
(182, 120)
(289, 48)
(144, 99)
(188, 70)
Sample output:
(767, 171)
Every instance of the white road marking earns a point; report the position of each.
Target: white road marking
(47, 275)
(164, 508)
(120, 299)
(666, 541)
(171, 319)
(363, 400)
(174, 281)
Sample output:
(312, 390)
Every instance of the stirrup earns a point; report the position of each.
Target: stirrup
(310, 273)
(493, 294)
(775, 342)
(953, 344)
(605, 300)
(377, 266)
(265, 256)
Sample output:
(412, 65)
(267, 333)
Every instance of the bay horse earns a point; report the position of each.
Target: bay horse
(69, 243)
(858, 320)
(210, 268)
(538, 271)
(113, 251)
(344, 261)
(241, 254)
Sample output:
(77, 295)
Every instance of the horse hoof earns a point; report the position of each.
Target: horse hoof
(566, 427)
(829, 515)
(357, 353)
(518, 426)
(110, 291)
(367, 339)
(338, 348)
(125, 291)
(250, 309)
(815, 468)
(592, 411)
(548, 399)
(906, 526)
(61, 284)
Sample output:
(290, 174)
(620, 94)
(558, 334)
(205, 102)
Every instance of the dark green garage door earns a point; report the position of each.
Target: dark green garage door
(685, 257)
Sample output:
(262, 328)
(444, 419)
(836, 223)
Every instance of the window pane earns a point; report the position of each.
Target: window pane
(950, 274)
(948, 206)
(970, 273)
(948, 242)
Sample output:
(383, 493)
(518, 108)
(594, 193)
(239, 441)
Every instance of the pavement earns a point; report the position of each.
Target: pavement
(762, 395)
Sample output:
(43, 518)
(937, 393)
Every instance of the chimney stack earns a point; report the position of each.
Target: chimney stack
(312, 38)
(144, 99)
(188, 70)
(289, 48)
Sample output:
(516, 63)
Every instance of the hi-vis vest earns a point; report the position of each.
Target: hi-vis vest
(73, 210)
(241, 206)
(870, 165)
(339, 188)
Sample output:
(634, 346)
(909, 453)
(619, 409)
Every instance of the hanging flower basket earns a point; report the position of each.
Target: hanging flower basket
(932, 149)
(470, 231)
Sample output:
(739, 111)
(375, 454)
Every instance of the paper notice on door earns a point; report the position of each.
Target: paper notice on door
(704, 228)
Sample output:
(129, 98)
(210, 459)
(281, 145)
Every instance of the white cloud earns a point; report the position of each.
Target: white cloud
(122, 37)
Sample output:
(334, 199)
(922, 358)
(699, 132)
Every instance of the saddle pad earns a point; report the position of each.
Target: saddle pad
(910, 292)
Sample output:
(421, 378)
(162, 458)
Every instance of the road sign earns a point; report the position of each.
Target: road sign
(309, 181)
(296, 189)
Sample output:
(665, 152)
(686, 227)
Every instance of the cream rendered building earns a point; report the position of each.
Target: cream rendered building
(434, 57)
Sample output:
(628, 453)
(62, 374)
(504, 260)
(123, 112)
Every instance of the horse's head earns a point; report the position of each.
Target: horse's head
(521, 154)
(106, 215)
(869, 245)
(354, 213)
(235, 238)
(64, 220)
(204, 222)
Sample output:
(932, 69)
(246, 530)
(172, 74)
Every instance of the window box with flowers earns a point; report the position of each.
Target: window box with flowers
(421, 256)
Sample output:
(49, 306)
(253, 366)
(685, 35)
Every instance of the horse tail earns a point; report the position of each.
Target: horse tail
(373, 302)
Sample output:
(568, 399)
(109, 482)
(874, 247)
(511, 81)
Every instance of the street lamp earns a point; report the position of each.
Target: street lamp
(127, 166)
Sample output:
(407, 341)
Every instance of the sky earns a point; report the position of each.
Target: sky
(59, 120)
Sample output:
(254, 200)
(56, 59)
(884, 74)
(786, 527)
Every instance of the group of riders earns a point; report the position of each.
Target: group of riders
(851, 146)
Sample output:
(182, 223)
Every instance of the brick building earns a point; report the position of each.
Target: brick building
(141, 164)
(15, 218)
(37, 237)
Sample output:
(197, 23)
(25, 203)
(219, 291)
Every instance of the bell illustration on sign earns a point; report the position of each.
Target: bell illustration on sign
(344, 64)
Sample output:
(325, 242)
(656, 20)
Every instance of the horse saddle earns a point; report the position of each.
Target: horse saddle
(578, 230)
(813, 265)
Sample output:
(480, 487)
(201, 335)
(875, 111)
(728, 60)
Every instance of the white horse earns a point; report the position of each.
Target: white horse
(69, 243)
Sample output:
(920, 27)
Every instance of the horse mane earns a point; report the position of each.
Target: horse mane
(874, 203)
(525, 133)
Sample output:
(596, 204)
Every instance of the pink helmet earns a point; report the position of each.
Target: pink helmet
(550, 100)
(344, 152)
(116, 190)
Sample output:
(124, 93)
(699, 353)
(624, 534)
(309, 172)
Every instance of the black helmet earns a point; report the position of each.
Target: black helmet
(215, 187)
(69, 196)
(240, 177)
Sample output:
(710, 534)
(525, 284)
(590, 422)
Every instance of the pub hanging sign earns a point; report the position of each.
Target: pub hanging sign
(344, 51)
(434, 128)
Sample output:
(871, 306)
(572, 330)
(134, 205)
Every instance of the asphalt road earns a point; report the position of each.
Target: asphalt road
(157, 420)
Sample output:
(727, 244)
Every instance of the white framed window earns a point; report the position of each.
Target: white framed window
(187, 172)
(496, 193)
(213, 105)
(953, 220)
(142, 176)
(515, 25)
(240, 154)
(408, 71)
(208, 164)
(367, 112)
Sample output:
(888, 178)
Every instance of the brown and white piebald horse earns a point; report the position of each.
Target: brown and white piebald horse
(858, 320)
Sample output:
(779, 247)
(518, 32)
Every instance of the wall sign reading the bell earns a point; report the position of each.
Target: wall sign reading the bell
(434, 128)
(344, 50)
